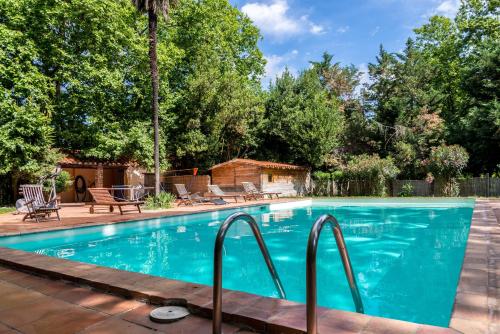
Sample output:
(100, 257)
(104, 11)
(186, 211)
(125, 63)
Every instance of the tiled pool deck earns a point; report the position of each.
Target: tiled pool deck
(38, 302)
(77, 216)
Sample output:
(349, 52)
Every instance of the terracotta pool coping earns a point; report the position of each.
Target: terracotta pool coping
(260, 313)
(279, 316)
(476, 308)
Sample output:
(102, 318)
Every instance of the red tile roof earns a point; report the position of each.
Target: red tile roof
(70, 160)
(265, 164)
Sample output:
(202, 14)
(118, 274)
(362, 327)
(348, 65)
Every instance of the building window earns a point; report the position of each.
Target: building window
(270, 178)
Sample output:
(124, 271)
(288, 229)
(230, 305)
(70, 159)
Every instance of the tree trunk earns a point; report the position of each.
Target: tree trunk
(153, 62)
(58, 89)
(14, 184)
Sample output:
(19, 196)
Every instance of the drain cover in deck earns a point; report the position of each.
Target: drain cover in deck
(168, 314)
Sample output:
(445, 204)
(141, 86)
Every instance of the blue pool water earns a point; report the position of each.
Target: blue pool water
(407, 256)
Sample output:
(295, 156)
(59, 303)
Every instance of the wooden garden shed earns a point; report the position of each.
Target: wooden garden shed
(290, 180)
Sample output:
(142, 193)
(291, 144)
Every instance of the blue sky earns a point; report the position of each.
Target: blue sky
(295, 32)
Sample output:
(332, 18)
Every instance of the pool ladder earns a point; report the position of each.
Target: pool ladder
(311, 289)
(219, 243)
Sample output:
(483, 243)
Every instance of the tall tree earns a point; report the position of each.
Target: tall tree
(342, 84)
(219, 107)
(153, 8)
(93, 54)
(25, 133)
(464, 55)
(302, 125)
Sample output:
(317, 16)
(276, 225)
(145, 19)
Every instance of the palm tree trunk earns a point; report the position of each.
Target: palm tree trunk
(15, 187)
(153, 62)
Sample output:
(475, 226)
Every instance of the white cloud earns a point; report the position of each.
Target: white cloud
(342, 30)
(375, 31)
(276, 64)
(448, 8)
(273, 19)
(316, 29)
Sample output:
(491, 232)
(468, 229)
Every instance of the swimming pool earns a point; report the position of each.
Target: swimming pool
(407, 255)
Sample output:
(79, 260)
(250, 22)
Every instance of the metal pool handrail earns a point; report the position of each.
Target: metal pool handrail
(312, 246)
(219, 243)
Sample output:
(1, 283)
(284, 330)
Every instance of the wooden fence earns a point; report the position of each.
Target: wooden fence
(419, 187)
(194, 183)
(476, 186)
(480, 186)
(346, 188)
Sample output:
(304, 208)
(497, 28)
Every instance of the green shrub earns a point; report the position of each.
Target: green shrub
(406, 190)
(63, 181)
(373, 170)
(338, 175)
(404, 156)
(163, 201)
(323, 184)
(496, 173)
(447, 163)
(450, 188)
(321, 176)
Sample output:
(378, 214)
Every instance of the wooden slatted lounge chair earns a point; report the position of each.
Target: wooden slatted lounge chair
(251, 189)
(217, 192)
(102, 196)
(188, 198)
(38, 208)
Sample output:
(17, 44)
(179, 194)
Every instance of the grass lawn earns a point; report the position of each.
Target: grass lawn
(6, 209)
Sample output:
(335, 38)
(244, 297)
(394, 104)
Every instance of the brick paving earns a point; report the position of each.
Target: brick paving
(477, 309)
(32, 304)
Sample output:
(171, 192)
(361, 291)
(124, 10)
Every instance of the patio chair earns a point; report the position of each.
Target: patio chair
(188, 198)
(251, 190)
(217, 192)
(102, 196)
(36, 205)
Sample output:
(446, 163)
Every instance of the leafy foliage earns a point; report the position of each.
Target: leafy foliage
(301, 124)
(158, 6)
(372, 169)
(95, 61)
(321, 176)
(26, 138)
(443, 88)
(406, 190)
(74, 75)
(63, 181)
(164, 200)
(219, 108)
(448, 161)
